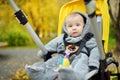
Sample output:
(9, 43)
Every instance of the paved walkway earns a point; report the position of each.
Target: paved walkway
(13, 59)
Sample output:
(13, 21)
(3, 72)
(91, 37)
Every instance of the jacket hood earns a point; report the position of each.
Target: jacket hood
(87, 27)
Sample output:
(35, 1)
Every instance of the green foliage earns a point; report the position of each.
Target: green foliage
(112, 40)
(17, 38)
(15, 35)
(112, 31)
(3, 36)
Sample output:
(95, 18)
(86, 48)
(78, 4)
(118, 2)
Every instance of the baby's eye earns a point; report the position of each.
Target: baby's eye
(70, 26)
(78, 25)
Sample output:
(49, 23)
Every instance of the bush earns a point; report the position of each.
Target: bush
(18, 38)
(15, 35)
(112, 40)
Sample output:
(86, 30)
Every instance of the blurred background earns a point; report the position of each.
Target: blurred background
(16, 43)
(42, 15)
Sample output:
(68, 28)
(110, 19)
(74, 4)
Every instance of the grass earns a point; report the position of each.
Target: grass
(111, 42)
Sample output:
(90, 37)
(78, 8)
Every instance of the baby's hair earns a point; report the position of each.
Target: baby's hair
(79, 14)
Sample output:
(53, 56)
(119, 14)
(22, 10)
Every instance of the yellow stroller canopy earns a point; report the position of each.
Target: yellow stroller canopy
(79, 5)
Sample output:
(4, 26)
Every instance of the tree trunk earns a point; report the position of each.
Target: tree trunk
(117, 36)
(114, 10)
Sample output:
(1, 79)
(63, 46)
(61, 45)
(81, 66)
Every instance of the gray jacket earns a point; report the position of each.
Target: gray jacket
(57, 44)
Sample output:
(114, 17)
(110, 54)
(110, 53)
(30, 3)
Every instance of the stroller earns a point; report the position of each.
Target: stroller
(101, 15)
(103, 20)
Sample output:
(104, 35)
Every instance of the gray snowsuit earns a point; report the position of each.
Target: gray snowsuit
(80, 64)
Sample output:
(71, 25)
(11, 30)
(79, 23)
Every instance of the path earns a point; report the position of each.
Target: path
(13, 59)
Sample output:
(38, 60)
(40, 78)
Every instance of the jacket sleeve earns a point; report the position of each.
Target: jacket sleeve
(51, 46)
(94, 57)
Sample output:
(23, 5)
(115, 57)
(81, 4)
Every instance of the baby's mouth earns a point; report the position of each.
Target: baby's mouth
(74, 32)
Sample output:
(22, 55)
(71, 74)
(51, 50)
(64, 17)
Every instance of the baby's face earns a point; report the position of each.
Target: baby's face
(74, 25)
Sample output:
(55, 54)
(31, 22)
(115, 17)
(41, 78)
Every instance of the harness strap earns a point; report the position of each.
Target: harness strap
(83, 41)
(81, 44)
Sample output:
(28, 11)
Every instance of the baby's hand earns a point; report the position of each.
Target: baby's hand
(40, 54)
